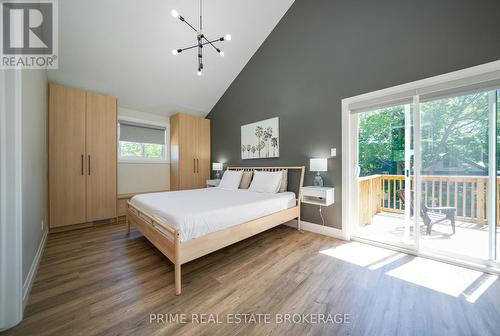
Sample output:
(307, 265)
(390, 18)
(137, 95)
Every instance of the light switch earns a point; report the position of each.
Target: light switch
(333, 152)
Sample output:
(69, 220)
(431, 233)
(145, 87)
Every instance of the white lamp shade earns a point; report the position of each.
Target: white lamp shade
(217, 166)
(318, 165)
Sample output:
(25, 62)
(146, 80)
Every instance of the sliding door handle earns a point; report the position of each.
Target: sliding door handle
(89, 165)
(82, 165)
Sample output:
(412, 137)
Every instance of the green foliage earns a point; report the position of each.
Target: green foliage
(153, 151)
(457, 127)
(381, 139)
(139, 150)
(131, 149)
(453, 129)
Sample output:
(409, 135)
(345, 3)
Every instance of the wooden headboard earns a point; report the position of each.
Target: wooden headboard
(301, 169)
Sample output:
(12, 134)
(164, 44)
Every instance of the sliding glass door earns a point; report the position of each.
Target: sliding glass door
(384, 175)
(455, 181)
(449, 206)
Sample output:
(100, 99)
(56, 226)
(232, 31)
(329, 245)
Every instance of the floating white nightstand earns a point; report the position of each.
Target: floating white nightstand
(213, 183)
(323, 196)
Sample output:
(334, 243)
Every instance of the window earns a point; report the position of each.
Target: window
(142, 142)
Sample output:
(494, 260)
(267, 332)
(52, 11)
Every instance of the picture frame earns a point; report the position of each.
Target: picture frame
(260, 140)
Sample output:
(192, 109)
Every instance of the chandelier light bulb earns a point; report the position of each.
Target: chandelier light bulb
(175, 13)
(221, 53)
(174, 52)
(228, 37)
(199, 73)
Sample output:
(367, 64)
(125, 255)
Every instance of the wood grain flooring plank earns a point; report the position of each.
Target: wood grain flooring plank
(101, 281)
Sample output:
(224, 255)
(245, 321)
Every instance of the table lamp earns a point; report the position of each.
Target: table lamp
(217, 166)
(318, 165)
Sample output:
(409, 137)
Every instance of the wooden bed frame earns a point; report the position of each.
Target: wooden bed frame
(166, 238)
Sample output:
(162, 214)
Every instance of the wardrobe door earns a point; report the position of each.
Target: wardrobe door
(175, 152)
(101, 158)
(203, 155)
(66, 156)
(188, 150)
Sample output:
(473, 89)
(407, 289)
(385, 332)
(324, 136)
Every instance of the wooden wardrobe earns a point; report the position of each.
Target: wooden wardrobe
(82, 139)
(189, 152)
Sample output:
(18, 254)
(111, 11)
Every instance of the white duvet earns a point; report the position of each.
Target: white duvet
(198, 212)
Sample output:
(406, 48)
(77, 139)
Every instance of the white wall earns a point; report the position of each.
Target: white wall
(11, 284)
(34, 168)
(142, 177)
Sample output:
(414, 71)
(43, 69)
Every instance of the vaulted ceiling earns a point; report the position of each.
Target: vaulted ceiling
(123, 48)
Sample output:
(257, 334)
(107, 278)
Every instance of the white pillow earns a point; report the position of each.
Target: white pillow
(266, 182)
(231, 179)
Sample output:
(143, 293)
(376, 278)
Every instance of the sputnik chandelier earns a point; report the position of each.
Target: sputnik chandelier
(202, 39)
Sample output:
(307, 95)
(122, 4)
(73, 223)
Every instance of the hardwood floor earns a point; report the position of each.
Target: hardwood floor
(99, 281)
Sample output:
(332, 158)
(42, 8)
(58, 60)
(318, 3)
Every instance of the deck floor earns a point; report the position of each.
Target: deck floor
(101, 281)
(470, 239)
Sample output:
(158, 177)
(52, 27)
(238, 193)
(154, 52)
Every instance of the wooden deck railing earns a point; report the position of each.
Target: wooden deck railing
(468, 194)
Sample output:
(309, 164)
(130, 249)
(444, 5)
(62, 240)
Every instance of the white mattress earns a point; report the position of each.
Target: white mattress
(198, 212)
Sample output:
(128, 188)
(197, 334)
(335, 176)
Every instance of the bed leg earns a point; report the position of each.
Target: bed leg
(127, 222)
(177, 280)
(299, 227)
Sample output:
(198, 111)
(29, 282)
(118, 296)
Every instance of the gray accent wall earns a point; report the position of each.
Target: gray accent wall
(323, 51)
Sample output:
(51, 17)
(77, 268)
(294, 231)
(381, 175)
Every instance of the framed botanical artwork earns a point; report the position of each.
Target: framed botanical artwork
(260, 140)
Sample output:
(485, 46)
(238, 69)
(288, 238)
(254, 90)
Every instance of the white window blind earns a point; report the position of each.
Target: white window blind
(140, 133)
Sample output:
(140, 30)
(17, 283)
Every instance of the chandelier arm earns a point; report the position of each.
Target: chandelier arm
(184, 49)
(186, 22)
(211, 43)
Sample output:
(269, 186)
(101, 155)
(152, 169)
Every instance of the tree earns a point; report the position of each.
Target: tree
(451, 127)
(456, 126)
(259, 131)
(268, 133)
(378, 140)
(274, 144)
(261, 146)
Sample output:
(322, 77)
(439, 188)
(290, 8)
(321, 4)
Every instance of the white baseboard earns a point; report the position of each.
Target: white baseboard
(317, 228)
(28, 283)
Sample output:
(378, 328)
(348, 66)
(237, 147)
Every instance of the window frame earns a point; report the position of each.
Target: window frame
(166, 148)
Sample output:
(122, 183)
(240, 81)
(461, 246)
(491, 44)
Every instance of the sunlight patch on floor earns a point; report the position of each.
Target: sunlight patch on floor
(486, 281)
(389, 260)
(441, 277)
(359, 254)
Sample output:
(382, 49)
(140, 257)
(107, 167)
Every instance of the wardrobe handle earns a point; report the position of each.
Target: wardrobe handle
(89, 165)
(82, 165)
(198, 166)
(194, 166)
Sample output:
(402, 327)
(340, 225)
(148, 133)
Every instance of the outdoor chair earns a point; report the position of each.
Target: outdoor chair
(432, 215)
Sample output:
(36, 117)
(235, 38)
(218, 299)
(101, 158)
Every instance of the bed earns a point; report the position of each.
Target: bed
(185, 225)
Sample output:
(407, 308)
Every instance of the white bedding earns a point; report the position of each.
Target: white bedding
(198, 212)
